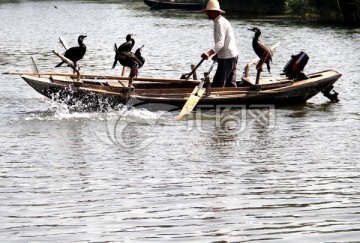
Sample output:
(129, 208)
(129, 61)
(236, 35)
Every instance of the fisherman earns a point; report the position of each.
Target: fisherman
(224, 50)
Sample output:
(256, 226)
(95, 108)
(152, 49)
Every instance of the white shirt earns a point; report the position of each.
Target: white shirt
(224, 37)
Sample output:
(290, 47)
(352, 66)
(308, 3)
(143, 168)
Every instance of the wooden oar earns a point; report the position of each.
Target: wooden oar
(187, 75)
(195, 96)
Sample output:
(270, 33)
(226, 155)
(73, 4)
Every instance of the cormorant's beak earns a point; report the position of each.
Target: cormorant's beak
(142, 47)
(252, 30)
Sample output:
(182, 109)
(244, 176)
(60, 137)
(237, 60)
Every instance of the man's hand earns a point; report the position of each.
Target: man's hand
(207, 54)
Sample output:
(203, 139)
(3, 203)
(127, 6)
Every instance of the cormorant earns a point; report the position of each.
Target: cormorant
(260, 48)
(124, 47)
(131, 60)
(140, 58)
(75, 53)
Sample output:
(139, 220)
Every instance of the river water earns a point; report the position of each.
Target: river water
(267, 174)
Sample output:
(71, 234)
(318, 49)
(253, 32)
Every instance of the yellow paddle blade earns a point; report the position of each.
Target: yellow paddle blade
(191, 102)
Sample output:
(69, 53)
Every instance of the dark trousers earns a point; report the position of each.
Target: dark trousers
(225, 75)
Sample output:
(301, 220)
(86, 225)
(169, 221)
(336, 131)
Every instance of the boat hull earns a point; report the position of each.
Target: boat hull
(101, 92)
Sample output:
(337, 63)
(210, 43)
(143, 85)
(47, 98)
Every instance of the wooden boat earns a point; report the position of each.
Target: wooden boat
(156, 5)
(94, 91)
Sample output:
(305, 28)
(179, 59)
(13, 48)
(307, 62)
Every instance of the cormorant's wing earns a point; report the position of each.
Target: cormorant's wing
(127, 46)
(71, 52)
(263, 46)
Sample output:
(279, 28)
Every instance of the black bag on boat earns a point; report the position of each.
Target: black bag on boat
(293, 69)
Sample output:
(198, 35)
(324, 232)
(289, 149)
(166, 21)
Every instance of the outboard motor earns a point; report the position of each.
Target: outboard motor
(294, 68)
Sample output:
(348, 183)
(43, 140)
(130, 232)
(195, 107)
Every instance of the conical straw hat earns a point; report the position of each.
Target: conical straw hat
(214, 6)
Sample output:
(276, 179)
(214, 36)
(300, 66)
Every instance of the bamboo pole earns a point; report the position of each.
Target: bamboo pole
(109, 77)
(62, 57)
(123, 71)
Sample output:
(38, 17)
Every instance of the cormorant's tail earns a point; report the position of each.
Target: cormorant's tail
(114, 64)
(116, 56)
(268, 65)
(61, 63)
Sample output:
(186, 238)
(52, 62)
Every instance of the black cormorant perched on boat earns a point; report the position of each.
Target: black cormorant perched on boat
(140, 58)
(124, 47)
(260, 48)
(131, 60)
(75, 53)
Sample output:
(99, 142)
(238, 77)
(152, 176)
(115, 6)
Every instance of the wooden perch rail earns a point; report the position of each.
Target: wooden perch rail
(109, 77)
